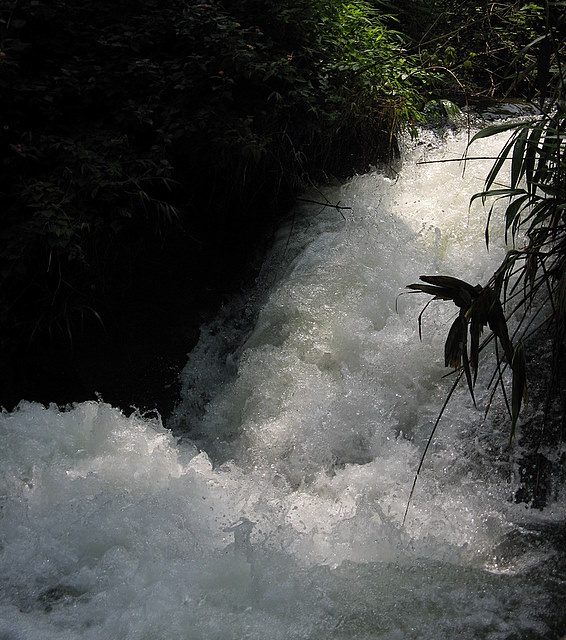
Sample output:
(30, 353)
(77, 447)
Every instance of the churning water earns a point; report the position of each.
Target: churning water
(306, 408)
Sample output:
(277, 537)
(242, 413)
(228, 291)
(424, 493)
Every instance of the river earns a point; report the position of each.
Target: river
(272, 504)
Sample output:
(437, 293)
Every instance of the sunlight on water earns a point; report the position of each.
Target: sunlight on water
(275, 510)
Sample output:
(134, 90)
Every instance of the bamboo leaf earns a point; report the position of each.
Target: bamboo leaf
(475, 332)
(554, 192)
(531, 155)
(543, 68)
(449, 281)
(454, 346)
(517, 161)
(483, 304)
(498, 324)
(438, 293)
(513, 212)
(493, 130)
(496, 193)
(483, 195)
(496, 168)
(449, 288)
(490, 213)
(466, 365)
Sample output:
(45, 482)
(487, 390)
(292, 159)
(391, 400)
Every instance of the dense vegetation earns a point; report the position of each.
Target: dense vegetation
(152, 142)
(147, 146)
(488, 46)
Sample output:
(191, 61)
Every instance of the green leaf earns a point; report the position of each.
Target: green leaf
(493, 193)
(512, 214)
(496, 168)
(493, 130)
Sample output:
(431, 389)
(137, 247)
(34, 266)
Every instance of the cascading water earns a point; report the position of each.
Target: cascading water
(307, 408)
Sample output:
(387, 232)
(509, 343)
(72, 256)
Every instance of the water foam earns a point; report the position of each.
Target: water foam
(276, 511)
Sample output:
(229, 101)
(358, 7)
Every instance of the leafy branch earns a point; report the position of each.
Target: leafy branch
(531, 279)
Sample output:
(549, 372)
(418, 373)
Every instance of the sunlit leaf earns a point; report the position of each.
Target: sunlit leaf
(496, 193)
(493, 130)
(495, 169)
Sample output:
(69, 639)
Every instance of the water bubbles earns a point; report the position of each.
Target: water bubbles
(279, 513)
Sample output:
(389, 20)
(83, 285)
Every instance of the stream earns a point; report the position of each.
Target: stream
(271, 505)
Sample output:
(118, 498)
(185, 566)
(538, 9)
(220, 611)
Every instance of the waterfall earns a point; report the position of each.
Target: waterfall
(272, 505)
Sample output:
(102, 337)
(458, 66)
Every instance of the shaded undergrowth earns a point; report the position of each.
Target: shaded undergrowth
(149, 142)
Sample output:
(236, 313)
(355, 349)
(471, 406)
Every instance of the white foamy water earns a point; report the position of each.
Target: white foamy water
(306, 408)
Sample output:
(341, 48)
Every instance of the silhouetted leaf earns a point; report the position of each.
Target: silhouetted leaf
(449, 288)
(531, 154)
(512, 213)
(494, 171)
(466, 366)
(518, 158)
(498, 325)
(454, 346)
(475, 332)
(449, 281)
(438, 293)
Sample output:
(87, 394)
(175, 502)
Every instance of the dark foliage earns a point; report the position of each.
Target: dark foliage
(490, 48)
(144, 142)
(530, 283)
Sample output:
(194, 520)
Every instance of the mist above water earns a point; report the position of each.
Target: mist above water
(275, 510)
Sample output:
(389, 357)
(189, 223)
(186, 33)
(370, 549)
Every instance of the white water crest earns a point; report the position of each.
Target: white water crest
(274, 506)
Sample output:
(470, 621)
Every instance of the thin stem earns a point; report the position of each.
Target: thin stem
(446, 401)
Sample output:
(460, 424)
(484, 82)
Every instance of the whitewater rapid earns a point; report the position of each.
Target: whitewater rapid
(272, 506)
